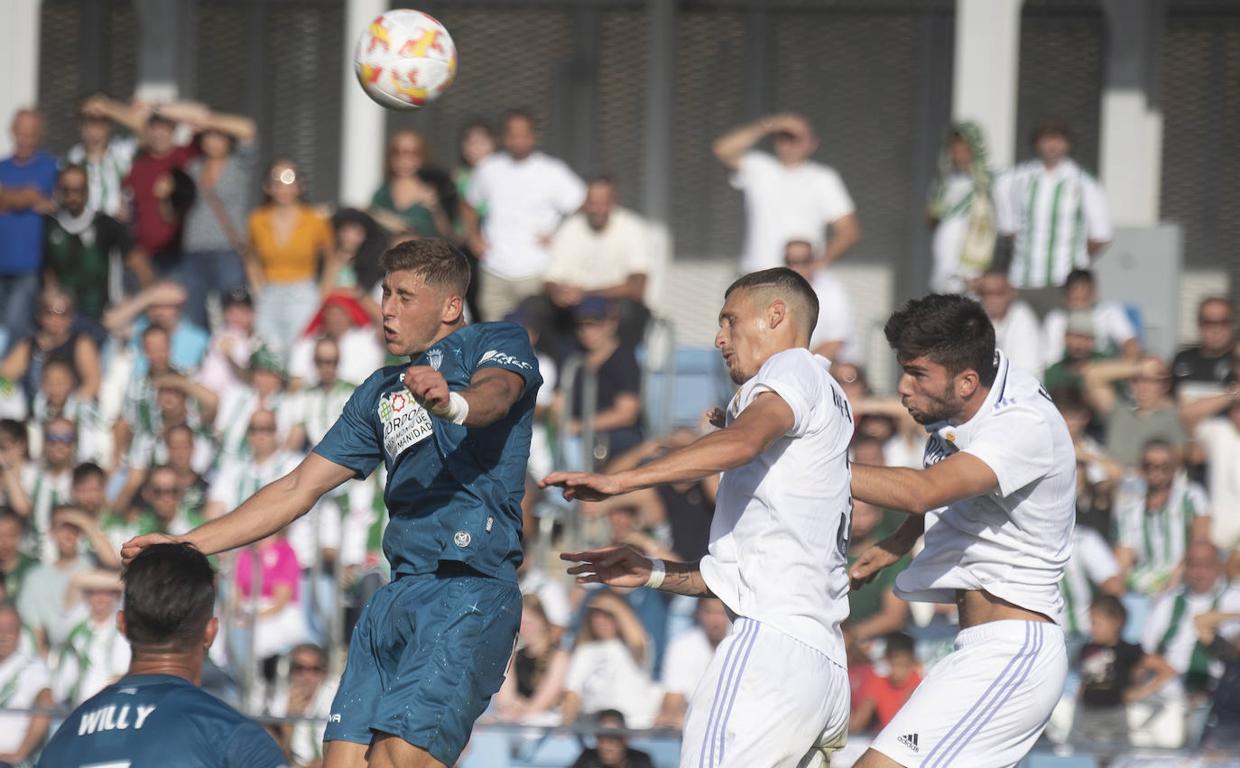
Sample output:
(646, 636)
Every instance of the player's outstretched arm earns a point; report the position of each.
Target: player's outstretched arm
(272, 508)
(627, 568)
(918, 491)
(765, 420)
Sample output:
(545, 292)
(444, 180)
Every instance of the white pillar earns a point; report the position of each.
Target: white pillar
(986, 67)
(361, 135)
(19, 60)
(1130, 140)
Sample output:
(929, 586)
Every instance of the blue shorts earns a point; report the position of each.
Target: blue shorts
(427, 654)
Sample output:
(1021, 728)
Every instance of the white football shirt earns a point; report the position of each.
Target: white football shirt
(783, 204)
(1014, 541)
(779, 538)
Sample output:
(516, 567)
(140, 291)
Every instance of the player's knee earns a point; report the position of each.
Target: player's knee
(389, 751)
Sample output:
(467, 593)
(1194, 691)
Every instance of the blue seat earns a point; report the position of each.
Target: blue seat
(697, 381)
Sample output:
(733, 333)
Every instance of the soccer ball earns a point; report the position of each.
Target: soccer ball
(405, 59)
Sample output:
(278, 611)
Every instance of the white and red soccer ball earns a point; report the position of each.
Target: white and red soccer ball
(405, 59)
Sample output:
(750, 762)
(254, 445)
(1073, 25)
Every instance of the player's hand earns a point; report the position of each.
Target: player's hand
(428, 387)
(585, 486)
(134, 547)
(716, 418)
(870, 564)
(614, 566)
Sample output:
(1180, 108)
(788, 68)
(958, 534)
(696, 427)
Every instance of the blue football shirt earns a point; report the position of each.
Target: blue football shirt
(453, 494)
(150, 721)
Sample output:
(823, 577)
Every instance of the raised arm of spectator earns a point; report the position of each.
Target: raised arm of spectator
(208, 401)
(1194, 412)
(89, 368)
(14, 492)
(631, 630)
(845, 233)
(732, 146)
(104, 551)
(17, 361)
(119, 319)
(132, 116)
(1101, 375)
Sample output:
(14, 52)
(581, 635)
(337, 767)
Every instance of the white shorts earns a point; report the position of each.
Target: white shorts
(766, 701)
(985, 704)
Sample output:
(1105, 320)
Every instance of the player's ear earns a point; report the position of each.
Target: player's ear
(966, 384)
(453, 306)
(776, 313)
(208, 636)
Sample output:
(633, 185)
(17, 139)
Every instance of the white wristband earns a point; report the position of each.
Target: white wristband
(456, 410)
(658, 572)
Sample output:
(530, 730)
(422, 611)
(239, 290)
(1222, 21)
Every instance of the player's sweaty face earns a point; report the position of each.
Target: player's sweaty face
(927, 391)
(412, 313)
(742, 328)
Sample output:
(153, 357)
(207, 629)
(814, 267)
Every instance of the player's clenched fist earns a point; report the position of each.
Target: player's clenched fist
(428, 387)
(133, 547)
(870, 563)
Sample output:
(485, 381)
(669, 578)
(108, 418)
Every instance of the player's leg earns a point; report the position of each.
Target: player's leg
(984, 705)
(391, 751)
(766, 701)
(458, 631)
(348, 734)
(344, 754)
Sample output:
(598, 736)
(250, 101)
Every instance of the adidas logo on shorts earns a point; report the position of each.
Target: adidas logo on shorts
(909, 740)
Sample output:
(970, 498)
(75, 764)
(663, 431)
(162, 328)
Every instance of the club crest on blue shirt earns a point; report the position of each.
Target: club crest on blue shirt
(435, 358)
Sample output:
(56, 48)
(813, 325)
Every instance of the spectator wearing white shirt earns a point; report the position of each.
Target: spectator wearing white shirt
(95, 654)
(1171, 629)
(688, 656)
(1054, 212)
(1114, 334)
(232, 343)
(1215, 424)
(603, 251)
(526, 194)
(341, 319)
(609, 665)
(788, 195)
(1016, 326)
(834, 336)
(25, 682)
(105, 157)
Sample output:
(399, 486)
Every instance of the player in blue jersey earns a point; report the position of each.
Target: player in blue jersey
(156, 715)
(454, 432)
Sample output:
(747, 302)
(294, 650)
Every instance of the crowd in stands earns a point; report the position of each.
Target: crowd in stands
(170, 341)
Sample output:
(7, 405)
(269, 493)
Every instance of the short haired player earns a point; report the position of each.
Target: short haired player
(157, 711)
(776, 692)
(453, 430)
(996, 501)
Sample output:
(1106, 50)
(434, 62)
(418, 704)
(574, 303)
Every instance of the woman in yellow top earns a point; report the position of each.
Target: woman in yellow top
(288, 242)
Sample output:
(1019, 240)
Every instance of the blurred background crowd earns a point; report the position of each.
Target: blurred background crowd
(180, 323)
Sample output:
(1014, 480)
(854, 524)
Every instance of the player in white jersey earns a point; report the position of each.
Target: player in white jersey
(996, 501)
(776, 692)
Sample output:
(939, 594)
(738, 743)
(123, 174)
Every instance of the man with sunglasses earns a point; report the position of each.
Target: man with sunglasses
(1159, 512)
(80, 245)
(1204, 368)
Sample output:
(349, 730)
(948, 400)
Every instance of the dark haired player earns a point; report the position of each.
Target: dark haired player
(454, 432)
(775, 694)
(1000, 480)
(156, 715)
